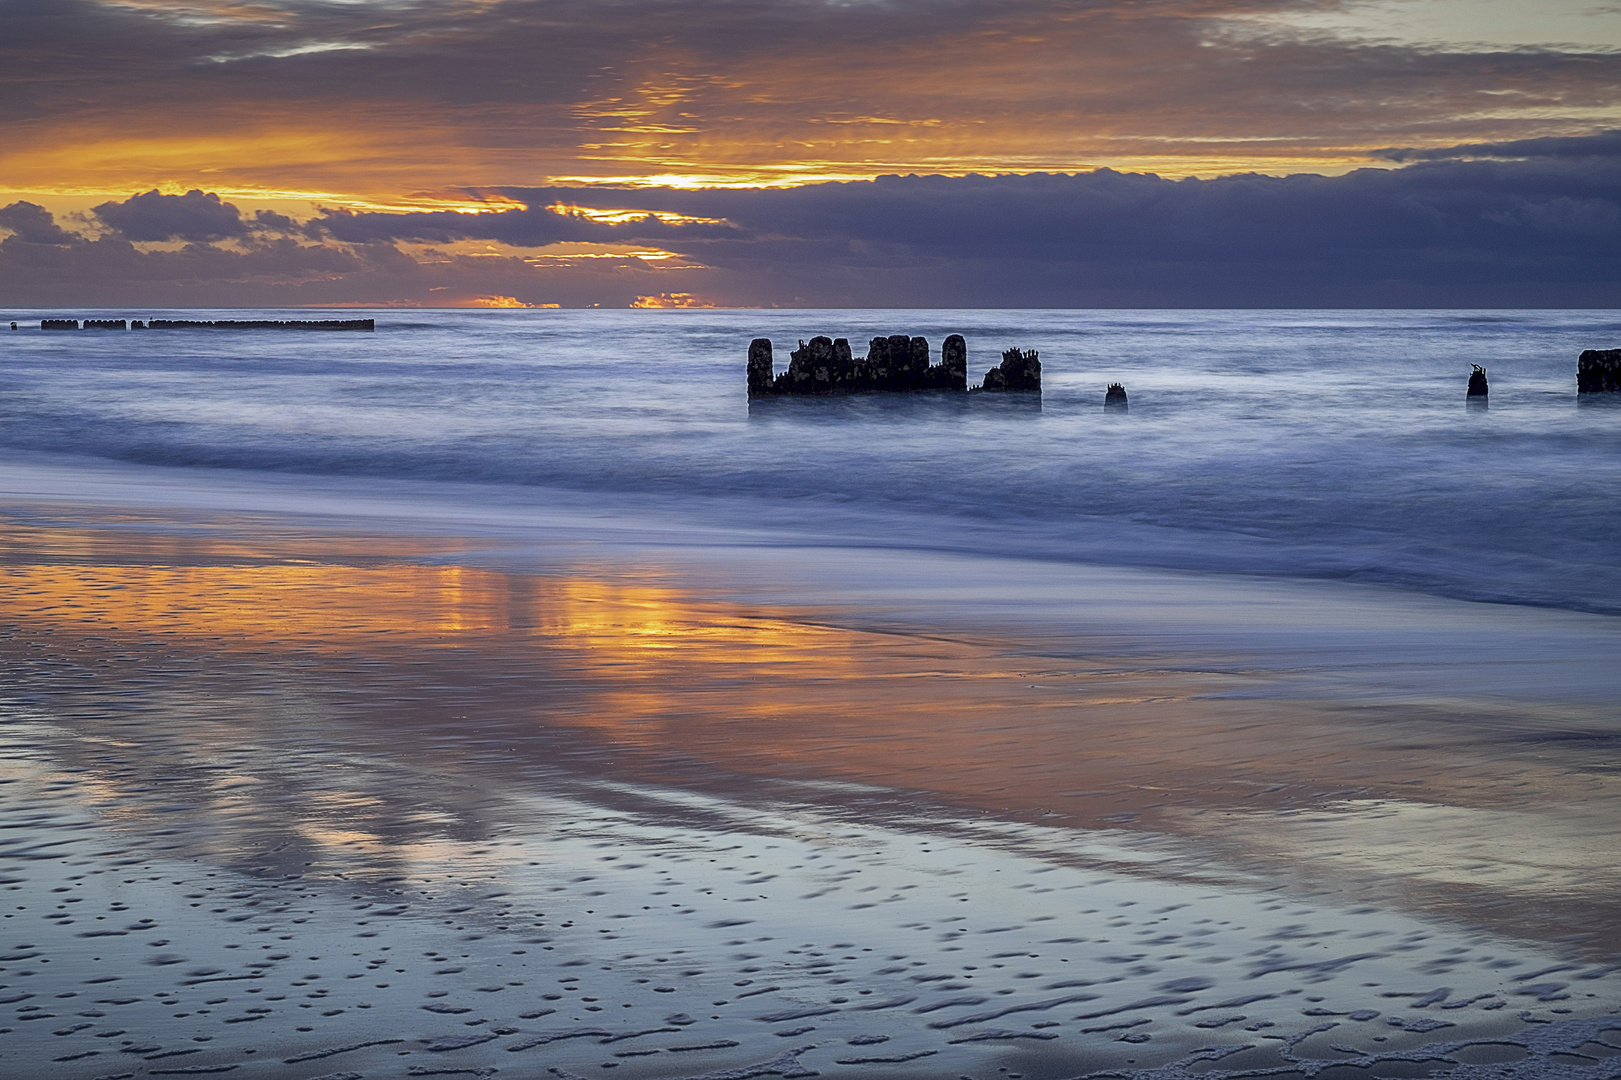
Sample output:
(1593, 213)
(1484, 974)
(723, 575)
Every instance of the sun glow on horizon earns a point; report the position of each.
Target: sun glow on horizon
(673, 300)
(622, 217)
(504, 302)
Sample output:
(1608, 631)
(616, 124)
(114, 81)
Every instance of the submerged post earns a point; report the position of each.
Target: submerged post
(917, 370)
(813, 367)
(1598, 371)
(900, 361)
(1477, 382)
(1115, 396)
(954, 358)
(1019, 370)
(844, 364)
(760, 374)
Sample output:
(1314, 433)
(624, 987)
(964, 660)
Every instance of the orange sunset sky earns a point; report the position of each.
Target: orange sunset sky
(669, 139)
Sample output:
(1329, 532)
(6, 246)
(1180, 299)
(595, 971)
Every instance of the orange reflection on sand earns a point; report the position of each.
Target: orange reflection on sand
(659, 669)
(631, 677)
(337, 606)
(645, 666)
(227, 592)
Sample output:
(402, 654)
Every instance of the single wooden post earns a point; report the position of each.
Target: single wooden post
(760, 368)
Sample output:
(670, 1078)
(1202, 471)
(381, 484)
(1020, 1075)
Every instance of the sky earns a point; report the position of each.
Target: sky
(812, 153)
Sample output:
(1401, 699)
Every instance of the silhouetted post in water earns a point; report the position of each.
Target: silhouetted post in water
(1598, 371)
(917, 368)
(900, 361)
(844, 365)
(1115, 396)
(1478, 390)
(954, 358)
(1017, 371)
(760, 374)
(14, 326)
(811, 368)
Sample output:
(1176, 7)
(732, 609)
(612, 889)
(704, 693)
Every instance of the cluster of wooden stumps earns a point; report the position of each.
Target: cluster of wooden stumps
(221, 324)
(897, 363)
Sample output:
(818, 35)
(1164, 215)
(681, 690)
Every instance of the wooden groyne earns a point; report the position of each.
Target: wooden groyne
(897, 363)
(365, 325)
(263, 324)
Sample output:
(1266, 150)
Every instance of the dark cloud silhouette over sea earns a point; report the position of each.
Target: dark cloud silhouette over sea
(31, 223)
(1604, 144)
(1540, 230)
(151, 215)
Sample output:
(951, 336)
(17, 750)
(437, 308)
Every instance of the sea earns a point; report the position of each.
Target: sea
(1311, 444)
(503, 692)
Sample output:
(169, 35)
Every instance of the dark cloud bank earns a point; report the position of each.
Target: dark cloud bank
(1534, 223)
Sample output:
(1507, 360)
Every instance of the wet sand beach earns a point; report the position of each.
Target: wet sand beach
(316, 797)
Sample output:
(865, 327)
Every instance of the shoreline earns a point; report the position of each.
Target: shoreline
(320, 709)
(495, 522)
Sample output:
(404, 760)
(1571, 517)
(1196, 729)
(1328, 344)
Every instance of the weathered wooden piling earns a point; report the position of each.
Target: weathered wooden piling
(954, 358)
(59, 324)
(813, 368)
(1019, 370)
(1477, 382)
(1115, 396)
(1598, 371)
(760, 367)
(106, 324)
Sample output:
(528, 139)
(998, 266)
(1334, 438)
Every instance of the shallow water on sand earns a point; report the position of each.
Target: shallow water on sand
(294, 798)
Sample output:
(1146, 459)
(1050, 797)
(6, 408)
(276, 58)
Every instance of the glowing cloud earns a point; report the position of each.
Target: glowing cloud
(672, 300)
(621, 217)
(504, 302)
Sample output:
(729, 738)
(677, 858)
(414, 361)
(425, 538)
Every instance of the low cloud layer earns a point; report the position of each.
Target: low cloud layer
(1539, 225)
(151, 215)
(31, 223)
(1604, 144)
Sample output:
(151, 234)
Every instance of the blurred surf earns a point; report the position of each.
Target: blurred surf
(1330, 444)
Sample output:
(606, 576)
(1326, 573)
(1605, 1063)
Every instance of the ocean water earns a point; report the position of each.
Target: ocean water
(503, 691)
(1330, 444)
